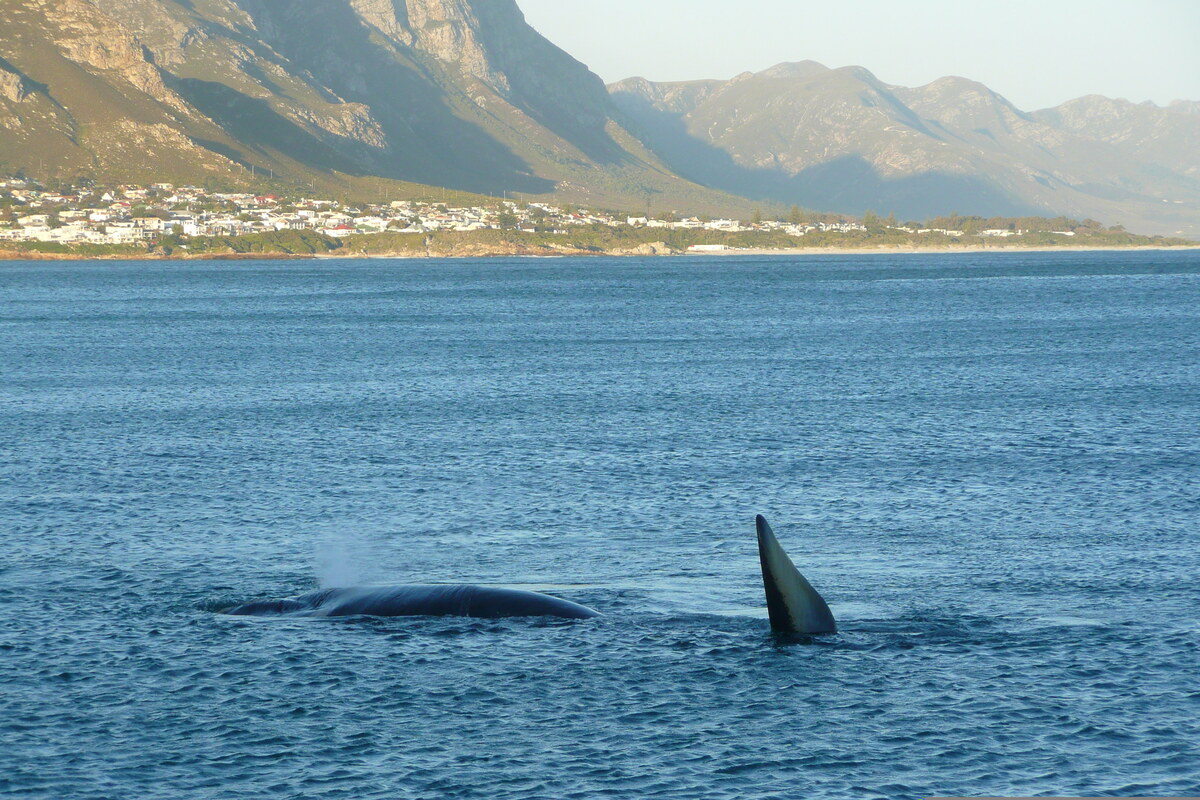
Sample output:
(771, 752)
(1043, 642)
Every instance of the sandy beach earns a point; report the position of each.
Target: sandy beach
(867, 251)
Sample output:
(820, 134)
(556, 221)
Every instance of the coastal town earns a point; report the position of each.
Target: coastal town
(166, 220)
(133, 214)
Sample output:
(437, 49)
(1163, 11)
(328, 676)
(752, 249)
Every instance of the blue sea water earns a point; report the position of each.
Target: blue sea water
(989, 464)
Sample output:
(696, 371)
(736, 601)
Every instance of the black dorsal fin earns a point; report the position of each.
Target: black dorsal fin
(794, 605)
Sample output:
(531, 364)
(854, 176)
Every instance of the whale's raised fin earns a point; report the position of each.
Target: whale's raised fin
(794, 605)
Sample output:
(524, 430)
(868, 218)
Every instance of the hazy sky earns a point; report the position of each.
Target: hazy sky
(1037, 53)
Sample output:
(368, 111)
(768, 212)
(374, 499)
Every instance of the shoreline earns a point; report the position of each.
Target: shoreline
(529, 252)
(864, 251)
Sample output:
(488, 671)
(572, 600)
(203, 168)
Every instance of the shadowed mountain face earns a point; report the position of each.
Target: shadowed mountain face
(843, 140)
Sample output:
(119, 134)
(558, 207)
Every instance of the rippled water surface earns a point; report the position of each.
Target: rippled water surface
(989, 465)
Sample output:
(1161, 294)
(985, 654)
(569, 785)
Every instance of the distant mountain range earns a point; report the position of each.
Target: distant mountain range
(843, 139)
(374, 95)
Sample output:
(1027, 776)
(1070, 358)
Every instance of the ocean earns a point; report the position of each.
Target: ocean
(989, 464)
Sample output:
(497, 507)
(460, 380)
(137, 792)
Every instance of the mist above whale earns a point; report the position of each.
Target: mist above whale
(794, 606)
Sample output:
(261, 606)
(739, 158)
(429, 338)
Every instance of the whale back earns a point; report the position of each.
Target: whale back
(484, 602)
(794, 605)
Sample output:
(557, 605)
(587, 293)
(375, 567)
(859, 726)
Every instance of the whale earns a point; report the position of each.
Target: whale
(793, 605)
(417, 600)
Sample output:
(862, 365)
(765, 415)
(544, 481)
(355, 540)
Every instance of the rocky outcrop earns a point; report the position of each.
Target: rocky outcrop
(171, 29)
(98, 41)
(671, 98)
(488, 44)
(647, 249)
(13, 85)
(350, 121)
(389, 17)
(449, 30)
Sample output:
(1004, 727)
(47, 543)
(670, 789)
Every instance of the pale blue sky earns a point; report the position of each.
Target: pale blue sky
(1037, 53)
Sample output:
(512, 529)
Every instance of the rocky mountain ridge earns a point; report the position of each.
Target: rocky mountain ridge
(844, 140)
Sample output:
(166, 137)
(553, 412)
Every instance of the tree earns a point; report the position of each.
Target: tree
(758, 217)
(870, 220)
(507, 220)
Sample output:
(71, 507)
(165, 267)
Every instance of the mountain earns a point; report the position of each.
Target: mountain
(367, 96)
(843, 140)
(458, 93)
(1168, 137)
(79, 95)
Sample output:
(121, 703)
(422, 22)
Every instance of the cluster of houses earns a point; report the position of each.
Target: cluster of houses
(735, 226)
(1004, 233)
(133, 214)
(137, 214)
